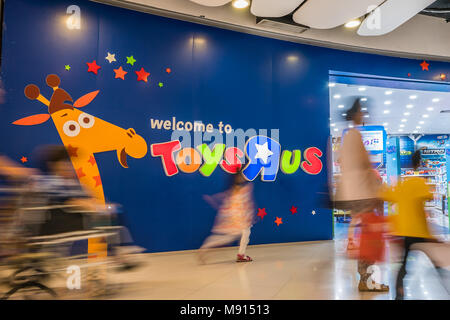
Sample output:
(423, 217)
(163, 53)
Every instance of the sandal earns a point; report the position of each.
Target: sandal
(243, 258)
(377, 287)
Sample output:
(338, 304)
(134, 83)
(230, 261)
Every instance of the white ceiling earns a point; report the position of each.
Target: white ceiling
(435, 123)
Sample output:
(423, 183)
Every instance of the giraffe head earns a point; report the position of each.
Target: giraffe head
(79, 129)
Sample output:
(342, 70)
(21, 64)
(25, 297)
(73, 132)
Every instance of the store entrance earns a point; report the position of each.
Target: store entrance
(404, 115)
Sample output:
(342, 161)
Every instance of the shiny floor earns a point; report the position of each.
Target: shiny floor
(314, 270)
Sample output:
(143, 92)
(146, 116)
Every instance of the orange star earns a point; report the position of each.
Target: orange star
(80, 173)
(72, 151)
(93, 66)
(98, 181)
(424, 65)
(24, 159)
(278, 221)
(92, 160)
(168, 70)
(261, 213)
(293, 210)
(142, 75)
(120, 73)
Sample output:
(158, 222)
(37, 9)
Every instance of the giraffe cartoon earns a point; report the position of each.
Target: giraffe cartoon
(84, 135)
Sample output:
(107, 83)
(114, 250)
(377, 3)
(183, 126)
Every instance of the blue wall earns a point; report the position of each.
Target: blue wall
(217, 75)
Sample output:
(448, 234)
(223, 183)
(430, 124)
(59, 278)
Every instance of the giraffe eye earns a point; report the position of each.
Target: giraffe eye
(71, 128)
(86, 120)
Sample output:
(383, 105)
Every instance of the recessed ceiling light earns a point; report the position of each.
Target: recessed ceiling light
(413, 97)
(353, 23)
(333, 124)
(409, 106)
(385, 124)
(388, 92)
(363, 99)
(387, 102)
(425, 116)
(341, 106)
(332, 84)
(404, 120)
(344, 114)
(430, 108)
(366, 116)
(364, 109)
(337, 96)
(406, 113)
(386, 111)
(415, 131)
(336, 129)
(361, 89)
(418, 127)
(421, 122)
(350, 126)
(435, 100)
(400, 130)
(241, 4)
(402, 126)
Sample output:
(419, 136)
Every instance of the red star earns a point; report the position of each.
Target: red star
(168, 70)
(278, 221)
(72, 151)
(120, 73)
(293, 209)
(142, 75)
(93, 66)
(424, 65)
(80, 173)
(261, 213)
(24, 159)
(98, 181)
(92, 160)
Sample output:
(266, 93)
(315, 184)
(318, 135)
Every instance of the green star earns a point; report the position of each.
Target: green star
(131, 60)
(160, 84)
(67, 67)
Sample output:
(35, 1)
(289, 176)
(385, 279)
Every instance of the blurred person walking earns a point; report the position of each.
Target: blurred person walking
(409, 223)
(358, 187)
(234, 219)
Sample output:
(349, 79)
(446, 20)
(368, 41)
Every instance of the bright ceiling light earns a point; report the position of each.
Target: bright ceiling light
(386, 111)
(366, 116)
(344, 114)
(241, 4)
(418, 127)
(413, 97)
(388, 92)
(337, 96)
(404, 120)
(385, 124)
(361, 89)
(350, 126)
(333, 124)
(402, 126)
(387, 102)
(364, 109)
(341, 106)
(430, 108)
(332, 84)
(400, 130)
(421, 122)
(435, 100)
(363, 99)
(336, 129)
(409, 106)
(425, 116)
(406, 113)
(415, 131)
(353, 23)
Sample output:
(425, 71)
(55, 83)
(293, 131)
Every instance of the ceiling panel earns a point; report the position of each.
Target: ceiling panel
(397, 108)
(390, 15)
(211, 3)
(274, 8)
(328, 14)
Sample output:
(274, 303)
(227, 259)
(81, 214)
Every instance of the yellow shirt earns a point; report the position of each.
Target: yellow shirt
(410, 195)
